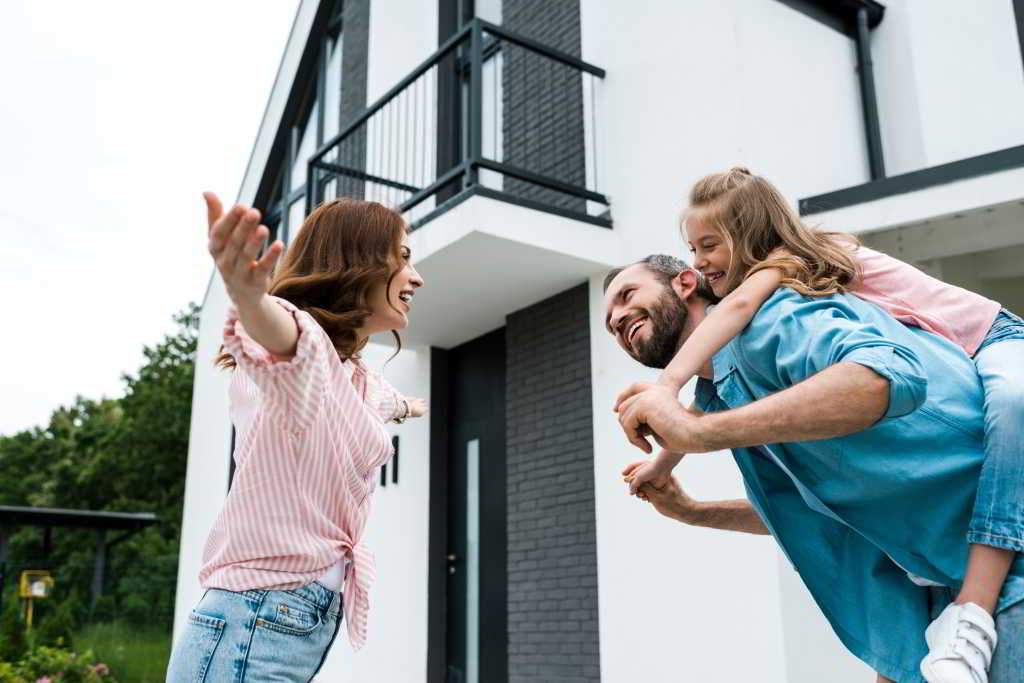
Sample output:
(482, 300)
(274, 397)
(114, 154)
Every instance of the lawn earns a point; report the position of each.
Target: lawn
(134, 655)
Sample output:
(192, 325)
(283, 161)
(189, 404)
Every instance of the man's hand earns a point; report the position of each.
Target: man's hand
(670, 500)
(653, 409)
(667, 496)
(673, 502)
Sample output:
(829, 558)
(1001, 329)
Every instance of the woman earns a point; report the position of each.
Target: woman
(285, 556)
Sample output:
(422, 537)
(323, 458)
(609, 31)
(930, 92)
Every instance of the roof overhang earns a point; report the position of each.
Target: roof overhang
(91, 519)
(839, 14)
(486, 258)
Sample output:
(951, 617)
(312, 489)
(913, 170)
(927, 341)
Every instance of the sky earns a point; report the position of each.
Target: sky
(114, 117)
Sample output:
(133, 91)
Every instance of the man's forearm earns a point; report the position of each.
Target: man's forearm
(728, 515)
(840, 400)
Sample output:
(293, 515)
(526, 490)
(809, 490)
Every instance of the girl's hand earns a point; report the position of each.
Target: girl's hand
(235, 241)
(417, 406)
(638, 474)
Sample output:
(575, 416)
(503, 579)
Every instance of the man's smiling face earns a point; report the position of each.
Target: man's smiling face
(645, 315)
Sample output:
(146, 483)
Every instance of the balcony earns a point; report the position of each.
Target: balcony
(490, 114)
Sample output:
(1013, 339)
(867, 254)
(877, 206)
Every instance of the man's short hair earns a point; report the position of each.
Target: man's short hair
(663, 266)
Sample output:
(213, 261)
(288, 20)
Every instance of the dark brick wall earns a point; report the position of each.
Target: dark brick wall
(552, 553)
(543, 100)
(354, 57)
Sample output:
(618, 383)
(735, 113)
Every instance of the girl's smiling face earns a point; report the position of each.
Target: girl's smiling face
(711, 253)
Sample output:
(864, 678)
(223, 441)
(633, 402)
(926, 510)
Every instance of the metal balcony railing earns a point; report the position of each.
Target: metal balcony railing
(490, 113)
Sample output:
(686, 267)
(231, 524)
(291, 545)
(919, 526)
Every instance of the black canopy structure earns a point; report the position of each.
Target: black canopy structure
(127, 522)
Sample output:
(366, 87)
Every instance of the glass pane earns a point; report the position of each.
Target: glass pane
(296, 214)
(307, 145)
(492, 140)
(473, 561)
(332, 91)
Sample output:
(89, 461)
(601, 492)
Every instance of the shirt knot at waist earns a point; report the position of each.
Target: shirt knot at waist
(360, 576)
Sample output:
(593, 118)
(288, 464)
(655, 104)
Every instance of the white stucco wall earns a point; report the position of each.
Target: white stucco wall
(950, 81)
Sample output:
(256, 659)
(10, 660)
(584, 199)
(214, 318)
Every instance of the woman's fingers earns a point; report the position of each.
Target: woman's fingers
(222, 229)
(265, 266)
(240, 237)
(253, 244)
(214, 210)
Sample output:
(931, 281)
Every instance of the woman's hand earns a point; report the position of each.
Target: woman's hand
(235, 241)
(417, 406)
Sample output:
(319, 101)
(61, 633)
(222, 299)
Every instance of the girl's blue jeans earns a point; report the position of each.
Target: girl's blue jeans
(998, 517)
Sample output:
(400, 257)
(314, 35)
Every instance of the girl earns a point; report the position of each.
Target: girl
(747, 241)
(285, 555)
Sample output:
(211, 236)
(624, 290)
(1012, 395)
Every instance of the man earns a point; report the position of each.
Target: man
(874, 446)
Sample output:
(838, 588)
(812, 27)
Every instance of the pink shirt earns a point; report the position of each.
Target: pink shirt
(310, 436)
(917, 299)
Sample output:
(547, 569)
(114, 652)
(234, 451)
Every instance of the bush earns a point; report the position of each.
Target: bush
(53, 664)
(136, 610)
(13, 644)
(57, 628)
(105, 609)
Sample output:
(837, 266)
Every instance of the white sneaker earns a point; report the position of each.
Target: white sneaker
(960, 643)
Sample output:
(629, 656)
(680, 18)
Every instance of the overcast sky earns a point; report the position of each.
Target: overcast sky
(114, 117)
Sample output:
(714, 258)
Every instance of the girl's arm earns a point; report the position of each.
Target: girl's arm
(723, 323)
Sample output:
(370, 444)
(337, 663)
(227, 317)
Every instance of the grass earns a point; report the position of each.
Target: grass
(134, 655)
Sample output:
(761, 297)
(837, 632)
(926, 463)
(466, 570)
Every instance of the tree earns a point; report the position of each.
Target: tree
(126, 455)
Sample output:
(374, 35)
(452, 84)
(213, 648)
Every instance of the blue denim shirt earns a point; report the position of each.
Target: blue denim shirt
(854, 514)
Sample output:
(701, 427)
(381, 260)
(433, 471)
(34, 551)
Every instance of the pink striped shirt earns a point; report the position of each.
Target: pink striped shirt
(310, 435)
(917, 299)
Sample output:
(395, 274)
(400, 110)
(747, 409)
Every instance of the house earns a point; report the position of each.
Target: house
(533, 146)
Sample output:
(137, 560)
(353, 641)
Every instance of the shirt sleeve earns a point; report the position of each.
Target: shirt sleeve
(797, 337)
(387, 399)
(293, 389)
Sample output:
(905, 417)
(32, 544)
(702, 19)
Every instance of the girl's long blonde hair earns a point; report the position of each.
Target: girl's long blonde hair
(755, 221)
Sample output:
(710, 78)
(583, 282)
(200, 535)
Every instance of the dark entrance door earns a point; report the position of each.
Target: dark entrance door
(475, 621)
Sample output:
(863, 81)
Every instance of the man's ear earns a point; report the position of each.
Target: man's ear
(685, 283)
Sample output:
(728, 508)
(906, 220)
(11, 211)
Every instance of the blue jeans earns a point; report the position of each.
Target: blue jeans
(998, 516)
(257, 635)
(1008, 658)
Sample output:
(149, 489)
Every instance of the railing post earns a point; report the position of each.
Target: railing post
(476, 102)
(311, 187)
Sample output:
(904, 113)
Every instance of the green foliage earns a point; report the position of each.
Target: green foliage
(57, 628)
(13, 644)
(125, 455)
(56, 664)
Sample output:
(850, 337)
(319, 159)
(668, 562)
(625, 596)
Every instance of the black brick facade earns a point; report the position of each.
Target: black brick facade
(355, 53)
(543, 100)
(552, 552)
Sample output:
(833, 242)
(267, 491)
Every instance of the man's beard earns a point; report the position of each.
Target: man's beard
(667, 318)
